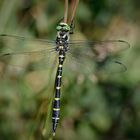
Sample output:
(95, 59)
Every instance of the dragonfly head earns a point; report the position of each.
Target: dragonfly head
(63, 27)
(62, 32)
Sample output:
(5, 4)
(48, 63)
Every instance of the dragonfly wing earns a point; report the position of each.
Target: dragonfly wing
(15, 37)
(110, 66)
(19, 51)
(100, 49)
(23, 82)
(43, 120)
(98, 55)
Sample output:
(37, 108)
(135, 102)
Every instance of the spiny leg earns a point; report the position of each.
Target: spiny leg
(72, 26)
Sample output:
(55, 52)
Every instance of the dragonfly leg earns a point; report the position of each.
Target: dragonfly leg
(72, 26)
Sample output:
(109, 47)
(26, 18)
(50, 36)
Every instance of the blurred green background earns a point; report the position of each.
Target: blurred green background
(93, 107)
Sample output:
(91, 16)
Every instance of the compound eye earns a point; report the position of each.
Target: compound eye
(66, 28)
(58, 28)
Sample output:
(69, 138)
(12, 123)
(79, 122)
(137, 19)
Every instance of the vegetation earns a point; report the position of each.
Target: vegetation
(94, 106)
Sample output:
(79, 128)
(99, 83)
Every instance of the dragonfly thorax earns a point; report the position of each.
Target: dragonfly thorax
(62, 40)
(62, 37)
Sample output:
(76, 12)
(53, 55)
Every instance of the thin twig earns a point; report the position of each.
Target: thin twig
(74, 8)
(66, 11)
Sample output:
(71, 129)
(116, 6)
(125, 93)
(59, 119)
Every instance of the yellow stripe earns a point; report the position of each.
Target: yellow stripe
(60, 66)
(58, 87)
(61, 47)
(56, 109)
(55, 118)
(61, 56)
(56, 99)
(59, 76)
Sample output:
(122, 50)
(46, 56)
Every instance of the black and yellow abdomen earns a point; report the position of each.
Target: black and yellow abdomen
(56, 102)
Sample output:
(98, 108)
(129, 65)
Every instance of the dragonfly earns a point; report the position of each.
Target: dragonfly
(64, 48)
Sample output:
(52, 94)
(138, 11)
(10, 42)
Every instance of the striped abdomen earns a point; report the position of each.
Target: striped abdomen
(56, 103)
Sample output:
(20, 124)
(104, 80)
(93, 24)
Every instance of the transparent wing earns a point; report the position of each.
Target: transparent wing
(43, 119)
(27, 39)
(99, 55)
(21, 80)
(98, 49)
(21, 52)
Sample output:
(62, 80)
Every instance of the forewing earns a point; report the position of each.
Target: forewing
(98, 55)
(100, 49)
(19, 52)
(27, 71)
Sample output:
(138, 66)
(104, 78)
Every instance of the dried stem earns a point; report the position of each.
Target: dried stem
(74, 5)
(66, 11)
(74, 8)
